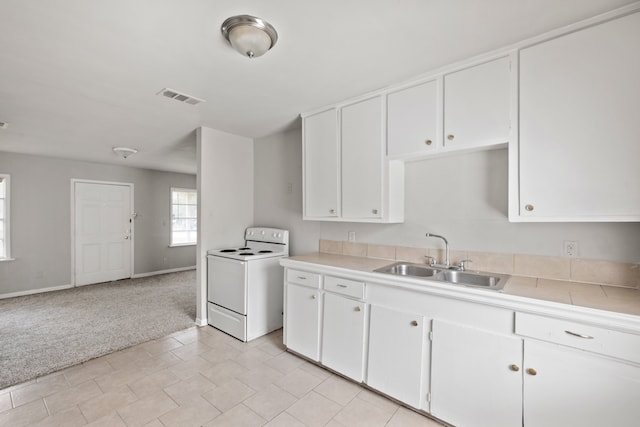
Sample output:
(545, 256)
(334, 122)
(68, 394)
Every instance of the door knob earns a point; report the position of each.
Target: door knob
(532, 371)
(414, 323)
(514, 368)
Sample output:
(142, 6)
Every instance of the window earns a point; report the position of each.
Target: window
(4, 216)
(184, 217)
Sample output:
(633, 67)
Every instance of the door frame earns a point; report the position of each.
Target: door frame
(73, 221)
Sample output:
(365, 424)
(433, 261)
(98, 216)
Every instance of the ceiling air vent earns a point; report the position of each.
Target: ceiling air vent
(178, 96)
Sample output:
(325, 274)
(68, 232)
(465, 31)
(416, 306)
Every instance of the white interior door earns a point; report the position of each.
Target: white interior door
(103, 237)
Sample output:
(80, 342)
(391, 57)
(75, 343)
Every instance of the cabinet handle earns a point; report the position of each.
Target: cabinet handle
(414, 323)
(532, 371)
(313, 297)
(332, 211)
(357, 308)
(428, 142)
(514, 368)
(528, 207)
(575, 334)
(450, 137)
(302, 278)
(340, 285)
(375, 211)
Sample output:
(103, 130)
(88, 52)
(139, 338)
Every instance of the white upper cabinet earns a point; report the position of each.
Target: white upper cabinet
(346, 174)
(579, 126)
(362, 159)
(321, 165)
(412, 120)
(477, 105)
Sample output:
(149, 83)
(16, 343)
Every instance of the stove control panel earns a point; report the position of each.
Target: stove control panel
(270, 235)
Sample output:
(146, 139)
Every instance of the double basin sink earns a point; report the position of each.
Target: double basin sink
(467, 278)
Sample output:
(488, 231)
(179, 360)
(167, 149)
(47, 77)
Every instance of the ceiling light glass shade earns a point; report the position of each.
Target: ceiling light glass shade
(249, 35)
(124, 152)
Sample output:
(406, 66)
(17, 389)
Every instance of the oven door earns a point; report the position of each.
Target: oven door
(227, 283)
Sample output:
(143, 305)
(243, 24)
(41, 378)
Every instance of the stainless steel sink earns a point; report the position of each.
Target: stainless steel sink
(491, 281)
(406, 269)
(474, 279)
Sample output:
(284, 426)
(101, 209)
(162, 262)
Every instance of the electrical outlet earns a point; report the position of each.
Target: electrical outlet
(352, 236)
(570, 249)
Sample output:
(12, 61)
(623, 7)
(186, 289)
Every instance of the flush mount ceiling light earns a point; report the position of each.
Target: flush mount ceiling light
(124, 152)
(249, 35)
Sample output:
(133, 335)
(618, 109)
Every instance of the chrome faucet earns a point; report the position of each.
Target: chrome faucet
(446, 250)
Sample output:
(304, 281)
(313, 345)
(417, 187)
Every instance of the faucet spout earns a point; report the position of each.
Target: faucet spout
(446, 247)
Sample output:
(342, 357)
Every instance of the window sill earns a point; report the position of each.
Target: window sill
(182, 244)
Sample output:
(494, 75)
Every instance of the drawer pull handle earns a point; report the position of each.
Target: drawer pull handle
(514, 368)
(313, 297)
(302, 278)
(532, 371)
(357, 308)
(575, 334)
(414, 323)
(340, 285)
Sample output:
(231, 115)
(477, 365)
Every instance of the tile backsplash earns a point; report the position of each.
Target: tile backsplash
(543, 267)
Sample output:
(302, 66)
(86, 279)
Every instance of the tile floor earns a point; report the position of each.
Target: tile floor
(200, 377)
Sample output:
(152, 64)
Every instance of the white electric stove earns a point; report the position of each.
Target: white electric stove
(245, 284)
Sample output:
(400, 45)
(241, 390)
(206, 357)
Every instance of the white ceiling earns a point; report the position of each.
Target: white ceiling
(79, 77)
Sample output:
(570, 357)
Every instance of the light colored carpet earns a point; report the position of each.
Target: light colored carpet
(46, 332)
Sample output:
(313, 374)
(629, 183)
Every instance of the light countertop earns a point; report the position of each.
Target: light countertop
(608, 298)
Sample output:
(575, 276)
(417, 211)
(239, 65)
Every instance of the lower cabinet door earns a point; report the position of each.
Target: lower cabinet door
(303, 321)
(343, 335)
(476, 376)
(567, 387)
(397, 348)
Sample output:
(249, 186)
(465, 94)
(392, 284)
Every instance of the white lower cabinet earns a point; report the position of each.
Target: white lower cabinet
(476, 377)
(343, 335)
(397, 342)
(567, 387)
(465, 362)
(302, 326)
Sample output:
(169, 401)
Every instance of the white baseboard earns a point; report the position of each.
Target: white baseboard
(201, 322)
(34, 291)
(155, 273)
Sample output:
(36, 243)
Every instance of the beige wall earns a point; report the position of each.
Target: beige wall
(463, 197)
(41, 225)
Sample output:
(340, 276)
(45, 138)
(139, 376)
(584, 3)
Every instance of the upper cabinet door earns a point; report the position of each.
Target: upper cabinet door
(362, 159)
(580, 124)
(477, 105)
(412, 120)
(321, 160)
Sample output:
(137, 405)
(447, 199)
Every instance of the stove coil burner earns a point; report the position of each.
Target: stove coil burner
(244, 249)
(246, 253)
(227, 250)
(265, 252)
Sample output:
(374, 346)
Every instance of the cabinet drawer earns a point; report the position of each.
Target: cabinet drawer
(344, 287)
(585, 337)
(303, 278)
